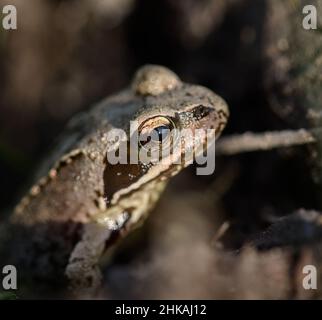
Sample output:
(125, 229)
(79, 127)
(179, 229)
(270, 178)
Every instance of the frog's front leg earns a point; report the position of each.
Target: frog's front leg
(82, 271)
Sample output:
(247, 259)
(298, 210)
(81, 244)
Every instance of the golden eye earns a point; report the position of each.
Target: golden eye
(155, 130)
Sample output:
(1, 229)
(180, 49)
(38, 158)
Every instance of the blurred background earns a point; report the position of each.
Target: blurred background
(68, 54)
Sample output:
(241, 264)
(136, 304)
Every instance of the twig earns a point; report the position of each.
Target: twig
(219, 234)
(249, 141)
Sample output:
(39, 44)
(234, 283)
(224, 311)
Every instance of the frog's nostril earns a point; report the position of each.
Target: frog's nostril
(201, 112)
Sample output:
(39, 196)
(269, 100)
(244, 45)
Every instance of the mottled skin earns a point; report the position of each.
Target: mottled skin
(59, 230)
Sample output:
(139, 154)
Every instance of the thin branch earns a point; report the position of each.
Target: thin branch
(219, 234)
(249, 141)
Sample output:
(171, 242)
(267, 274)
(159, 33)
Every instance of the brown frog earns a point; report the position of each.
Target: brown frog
(65, 223)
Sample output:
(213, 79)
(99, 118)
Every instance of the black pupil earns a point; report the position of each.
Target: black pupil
(160, 133)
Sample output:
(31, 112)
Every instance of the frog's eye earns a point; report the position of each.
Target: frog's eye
(155, 130)
(160, 133)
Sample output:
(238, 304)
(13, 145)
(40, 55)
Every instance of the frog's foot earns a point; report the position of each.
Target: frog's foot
(84, 283)
(82, 271)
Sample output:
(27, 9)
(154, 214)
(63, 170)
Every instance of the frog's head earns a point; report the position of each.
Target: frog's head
(169, 110)
(177, 116)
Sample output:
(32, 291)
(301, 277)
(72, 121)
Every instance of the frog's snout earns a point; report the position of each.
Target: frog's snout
(222, 107)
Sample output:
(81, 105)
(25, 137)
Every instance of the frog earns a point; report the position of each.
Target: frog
(80, 203)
